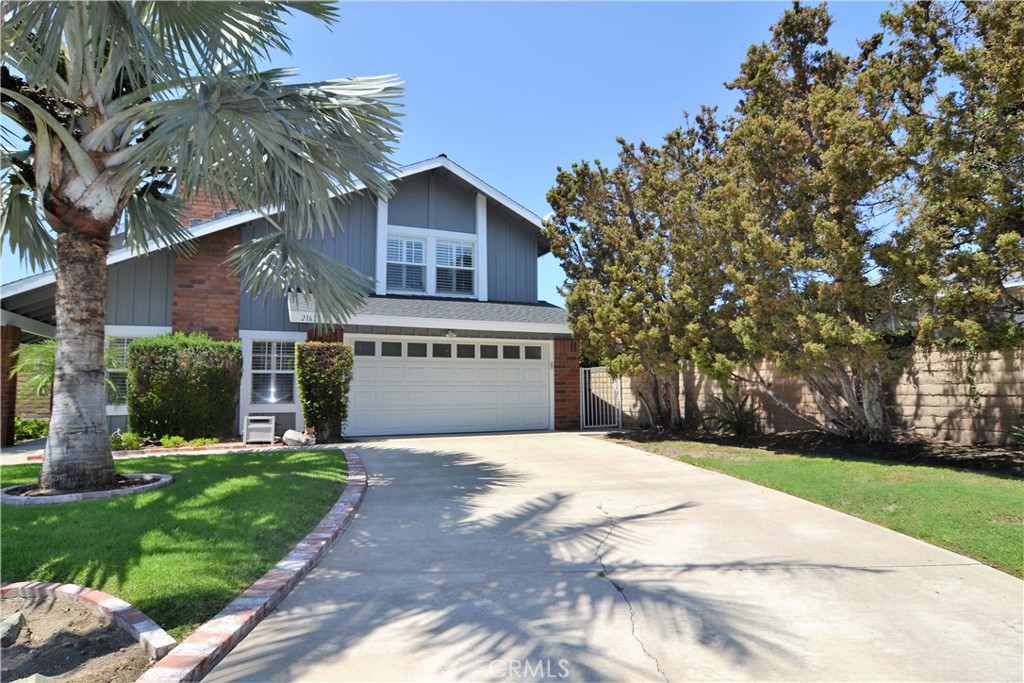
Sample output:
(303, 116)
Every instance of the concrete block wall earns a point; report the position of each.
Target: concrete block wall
(933, 398)
(936, 398)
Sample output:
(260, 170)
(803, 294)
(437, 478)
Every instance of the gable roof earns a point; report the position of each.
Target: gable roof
(217, 224)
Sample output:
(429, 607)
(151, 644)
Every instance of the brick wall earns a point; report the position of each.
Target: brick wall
(203, 207)
(567, 384)
(207, 290)
(933, 398)
(30, 405)
(9, 338)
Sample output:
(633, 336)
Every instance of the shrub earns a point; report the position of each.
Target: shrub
(324, 373)
(125, 441)
(204, 441)
(172, 441)
(183, 384)
(29, 428)
(736, 418)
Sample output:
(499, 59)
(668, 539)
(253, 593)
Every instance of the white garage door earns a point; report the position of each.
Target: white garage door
(421, 385)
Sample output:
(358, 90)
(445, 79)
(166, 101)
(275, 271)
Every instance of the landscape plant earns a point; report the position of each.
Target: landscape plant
(183, 385)
(736, 417)
(131, 109)
(30, 428)
(323, 371)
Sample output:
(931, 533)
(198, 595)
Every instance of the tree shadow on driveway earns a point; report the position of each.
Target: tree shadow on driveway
(454, 571)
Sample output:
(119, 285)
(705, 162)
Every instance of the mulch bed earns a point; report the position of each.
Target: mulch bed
(909, 449)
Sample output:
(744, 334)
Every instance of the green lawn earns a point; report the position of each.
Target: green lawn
(183, 552)
(978, 515)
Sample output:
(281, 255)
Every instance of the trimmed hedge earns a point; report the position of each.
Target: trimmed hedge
(183, 384)
(324, 373)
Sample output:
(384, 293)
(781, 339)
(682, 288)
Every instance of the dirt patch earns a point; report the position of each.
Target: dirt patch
(66, 641)
(905, 448)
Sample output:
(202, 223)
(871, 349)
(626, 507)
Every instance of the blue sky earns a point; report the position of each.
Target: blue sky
(512, 91)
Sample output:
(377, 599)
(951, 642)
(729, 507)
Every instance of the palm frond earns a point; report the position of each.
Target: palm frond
(34, 39)
(209, 37)
(258, 142)
(151, 222)
(21, 223)
(275, 264)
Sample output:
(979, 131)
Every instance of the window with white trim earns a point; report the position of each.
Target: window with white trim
(117, 370)
(430, 264)
(273, 372)
(455, 267)
(407, 270)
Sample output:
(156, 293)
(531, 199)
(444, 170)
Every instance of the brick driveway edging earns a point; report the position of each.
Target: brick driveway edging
(153, 639)
(201, 651)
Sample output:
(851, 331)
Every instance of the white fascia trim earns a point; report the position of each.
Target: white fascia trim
(449, 165)
(456, 324)
(481, 246)
(382, 248)
(124, 254)
(135, 330)
(27, 324)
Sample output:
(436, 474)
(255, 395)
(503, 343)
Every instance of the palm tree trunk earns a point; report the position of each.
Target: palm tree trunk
(77, 456)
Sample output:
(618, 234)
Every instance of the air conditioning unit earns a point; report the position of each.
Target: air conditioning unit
(259, 429)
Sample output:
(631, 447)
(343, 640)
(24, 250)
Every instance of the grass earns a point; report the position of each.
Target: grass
(978, 515)
(181, 553)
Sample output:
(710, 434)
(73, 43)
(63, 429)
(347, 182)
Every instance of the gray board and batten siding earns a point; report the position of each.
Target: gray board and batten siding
(428, 200)
(355, 245)
(511, 257)
(139, 291)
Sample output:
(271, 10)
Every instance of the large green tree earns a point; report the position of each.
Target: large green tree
(130, 108)
(608, 231)
(811, 168)
(954, 73)
(850, 208)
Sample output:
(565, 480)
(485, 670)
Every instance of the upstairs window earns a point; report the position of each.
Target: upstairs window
(455, 264)
(407, 267)
(429, 262)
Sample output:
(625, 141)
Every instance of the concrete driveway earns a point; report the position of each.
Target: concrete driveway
(564, 557)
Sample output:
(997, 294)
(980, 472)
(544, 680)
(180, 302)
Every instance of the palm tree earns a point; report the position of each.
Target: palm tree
(131, 108)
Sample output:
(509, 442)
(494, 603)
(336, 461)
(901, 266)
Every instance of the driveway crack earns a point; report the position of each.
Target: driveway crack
(621, 590)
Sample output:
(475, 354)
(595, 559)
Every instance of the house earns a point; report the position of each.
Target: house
(452, 339)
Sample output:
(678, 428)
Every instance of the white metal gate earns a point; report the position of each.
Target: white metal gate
(600, 399)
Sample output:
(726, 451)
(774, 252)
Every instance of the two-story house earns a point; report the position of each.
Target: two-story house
(452, 339)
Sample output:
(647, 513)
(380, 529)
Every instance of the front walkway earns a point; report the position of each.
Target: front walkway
(564, 557)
